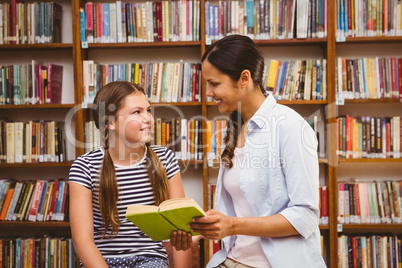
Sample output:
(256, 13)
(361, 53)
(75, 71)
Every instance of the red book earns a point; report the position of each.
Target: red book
(400, 77)
(324, 204)
(89, 22)
(354, 253)
(13, 32)
(37, 194)
(54, 83)
(393, 78)
(62, 216)
(53, 199)
(357, 196)
(159, 20)
(194, 80)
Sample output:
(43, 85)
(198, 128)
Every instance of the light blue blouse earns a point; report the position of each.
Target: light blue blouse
(279, 175)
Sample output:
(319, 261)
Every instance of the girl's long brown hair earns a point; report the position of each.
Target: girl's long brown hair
(232, 55)
(108, 101)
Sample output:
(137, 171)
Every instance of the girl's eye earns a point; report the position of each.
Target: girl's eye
(149, 110)
(136, 112)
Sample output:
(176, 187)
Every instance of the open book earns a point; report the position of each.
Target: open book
(159, 222)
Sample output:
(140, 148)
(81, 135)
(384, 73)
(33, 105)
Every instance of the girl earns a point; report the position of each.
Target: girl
(125, 171)
(266, 208)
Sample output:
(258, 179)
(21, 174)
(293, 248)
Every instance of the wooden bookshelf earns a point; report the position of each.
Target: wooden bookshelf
(49, 46)
(36, 106)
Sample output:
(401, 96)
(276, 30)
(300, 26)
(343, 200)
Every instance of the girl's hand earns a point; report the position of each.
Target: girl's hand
(181, 240)
(214, 225)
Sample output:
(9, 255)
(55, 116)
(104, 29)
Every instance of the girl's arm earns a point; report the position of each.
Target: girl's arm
(182, 259)
(81, 222)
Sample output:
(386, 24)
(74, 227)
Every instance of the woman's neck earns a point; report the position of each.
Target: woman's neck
(127, 156)
(251, 103)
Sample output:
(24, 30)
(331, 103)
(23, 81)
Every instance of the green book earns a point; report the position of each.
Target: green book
(171, 215)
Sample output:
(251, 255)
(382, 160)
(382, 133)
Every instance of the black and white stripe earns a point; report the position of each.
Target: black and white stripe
(134, 188)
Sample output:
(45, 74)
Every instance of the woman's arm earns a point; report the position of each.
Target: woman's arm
(216, 225)
(81, 222)
(182, 240)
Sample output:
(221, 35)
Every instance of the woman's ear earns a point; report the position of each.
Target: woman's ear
(111, 125)
(245, 78)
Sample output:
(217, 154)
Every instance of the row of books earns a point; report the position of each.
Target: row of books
(35, 141)
(31, 83)
(297, 79)
(140, 21)
(369, 78)
(369, 251)
(162, 82)
(369, 137)
(30, 23)
(216, 130)
(357, 18)
(182, 136)
(39, 200)
(370, 202)
(266, 19)
(47, 251)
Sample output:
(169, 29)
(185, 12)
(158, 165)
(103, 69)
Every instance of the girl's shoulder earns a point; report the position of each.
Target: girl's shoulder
(161, 151)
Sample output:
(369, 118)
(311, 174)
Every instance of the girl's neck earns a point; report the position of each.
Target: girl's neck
(127, 156)
(251, 103)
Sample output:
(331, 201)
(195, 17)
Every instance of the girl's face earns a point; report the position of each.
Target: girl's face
(134, 120)
(221, 88)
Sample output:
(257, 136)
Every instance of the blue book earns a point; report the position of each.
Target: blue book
(106, 23)
(216, 22)
(82, 25)
(364, 79)
(59, 204)
(41, 199)
(319, 71)
(211, 22)
(250, 18)
(207, 35)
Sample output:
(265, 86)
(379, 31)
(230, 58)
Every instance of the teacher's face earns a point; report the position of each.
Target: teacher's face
(221, 88)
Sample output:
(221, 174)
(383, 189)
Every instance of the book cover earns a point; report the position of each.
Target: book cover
(159, 222)
(55, 82)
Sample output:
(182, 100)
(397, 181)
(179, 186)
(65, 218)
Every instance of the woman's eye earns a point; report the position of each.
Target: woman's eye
(136, 112)
(149, 111)
(214, 84)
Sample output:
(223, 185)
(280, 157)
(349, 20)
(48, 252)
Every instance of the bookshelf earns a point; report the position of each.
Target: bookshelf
(198, 175)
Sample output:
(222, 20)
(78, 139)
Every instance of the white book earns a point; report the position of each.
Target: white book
(18, 141)
(113, 23)
(150, 23)
(185, 79)
(159, 82)
(183, 129)
(189, 21)
(176, 78)
(302, 18)
(183, 22)
(119, 24)
(144, 23)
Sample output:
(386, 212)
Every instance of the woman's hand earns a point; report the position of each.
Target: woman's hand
(181, 240)
(214, 225)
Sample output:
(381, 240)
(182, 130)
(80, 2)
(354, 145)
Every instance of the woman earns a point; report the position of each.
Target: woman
(266, 209)
(125, 171)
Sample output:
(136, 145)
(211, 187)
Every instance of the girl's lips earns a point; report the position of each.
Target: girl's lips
(218, 101)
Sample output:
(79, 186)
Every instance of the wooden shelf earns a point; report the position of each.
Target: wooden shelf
(37, 106)
(324, 227)
(294, 102)
(370, 160)
(290, 42)
(371, 101)
(366, 226)
(34, 224)
(146, 44)
(37, 46)
(371, 40)
(176, 103)
(190, 162)
(41, 164)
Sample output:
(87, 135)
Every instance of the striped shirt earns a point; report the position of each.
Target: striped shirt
(134, 188)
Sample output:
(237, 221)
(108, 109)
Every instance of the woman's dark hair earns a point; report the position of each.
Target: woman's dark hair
(107, 103)
(232, 55)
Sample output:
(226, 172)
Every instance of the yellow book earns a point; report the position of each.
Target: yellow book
(273, 68)
(158, 222)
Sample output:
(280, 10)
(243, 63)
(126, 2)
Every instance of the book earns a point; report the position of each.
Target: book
(158, 222)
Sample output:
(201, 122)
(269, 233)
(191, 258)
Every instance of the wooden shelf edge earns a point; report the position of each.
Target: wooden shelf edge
(285, 102)
(372, 226)
(145, 44)
(37, 46)
(374, 39)
(41, 164)
(190, 162)
(289, 42)
(370, 101)
(370, 160)
(324, 227)
(36, 106)
(34, 224)
(176, 104)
